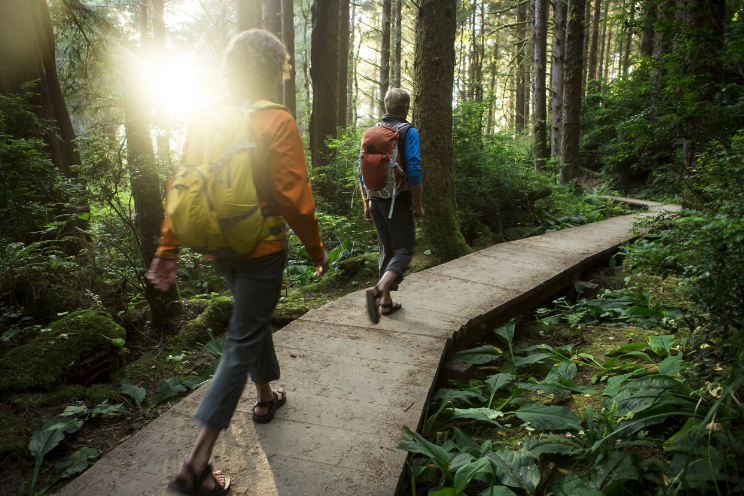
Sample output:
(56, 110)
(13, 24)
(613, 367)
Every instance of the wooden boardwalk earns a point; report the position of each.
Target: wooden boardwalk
(351, 385)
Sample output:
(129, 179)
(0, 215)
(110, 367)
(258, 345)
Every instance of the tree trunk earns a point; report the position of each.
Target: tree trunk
(434, 68)
(158, 23)
(705, 51)
(572, 70)
(661, 42)
(647, 38)
(609, 54)
(556, 76)
(272, 17)
(343, 63)
(306, 68)
(288, 35)
(593, 51)
(519, 118)
(540, 114)
(324, 74)
(585, 51)
(143, 21)
(600, 69)
(27, 53)
(628, 41)
(350, 76)
(397, 42)
(385, 54)
(249, 13)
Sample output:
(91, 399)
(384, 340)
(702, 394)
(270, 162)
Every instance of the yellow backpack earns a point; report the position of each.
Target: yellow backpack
(212, 204)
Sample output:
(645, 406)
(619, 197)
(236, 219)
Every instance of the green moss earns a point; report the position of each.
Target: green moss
(284, 313)
(215, 317)
(61, 352)
(63, 395)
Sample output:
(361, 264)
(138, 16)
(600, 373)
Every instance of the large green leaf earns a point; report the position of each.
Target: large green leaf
(661, 345)
(497, 491)
(76, 463)
(616, 469)
(498, 381)
(629, 347)
(564, 370)
(203, 376)
(420, 445)
(526, 360)
(482, 414)
(50, 434)
(551, 417)
(671, 365)
(516, 469)
(537, 447)
(479, 356)
(569, 485)
(454, 395)
(169, 388)
(465, 474)
(507, 332)
(135, 392)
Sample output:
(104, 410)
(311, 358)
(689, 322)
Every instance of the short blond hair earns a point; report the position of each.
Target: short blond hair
(396, 100)
(256, 60)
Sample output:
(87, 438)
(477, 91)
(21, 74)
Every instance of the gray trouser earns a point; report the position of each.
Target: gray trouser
(249, 348)
(397, 235)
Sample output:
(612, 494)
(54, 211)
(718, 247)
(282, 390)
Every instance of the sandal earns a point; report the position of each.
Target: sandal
(394, 307)
(373, 295)
(272, 405)
(194, 486)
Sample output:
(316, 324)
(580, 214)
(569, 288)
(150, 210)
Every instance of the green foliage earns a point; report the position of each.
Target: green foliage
(29, 183)
(135, 392)
(169, 388)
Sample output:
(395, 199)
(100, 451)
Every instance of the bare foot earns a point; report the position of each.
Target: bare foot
(216, 481)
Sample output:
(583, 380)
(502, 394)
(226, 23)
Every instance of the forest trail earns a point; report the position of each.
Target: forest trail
(352, 386)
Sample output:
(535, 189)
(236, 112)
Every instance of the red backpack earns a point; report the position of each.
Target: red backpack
(380, 163)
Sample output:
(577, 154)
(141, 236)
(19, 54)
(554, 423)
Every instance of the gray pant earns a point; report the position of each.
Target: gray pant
(397, 235)
(249, 348)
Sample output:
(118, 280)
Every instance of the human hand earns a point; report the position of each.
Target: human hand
(368, 215)
(418, 212)
(162, 273)
(322, 266)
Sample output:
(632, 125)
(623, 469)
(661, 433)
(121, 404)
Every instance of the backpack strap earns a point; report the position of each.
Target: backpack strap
(265, 105)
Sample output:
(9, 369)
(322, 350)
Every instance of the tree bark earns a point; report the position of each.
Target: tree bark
(250, 15)
(27, 54)
(628, 41)
(609, 54)
(288, 38)
(397, 41)
(705, 46)
(343, 63)
(556, 76)
(324, 74)
(158, 23)
(350, 76)
(539, 65)
(585, 52)
(572, 70)
(272, 17)
(647, 38)
(385, 53)
(593, 51)
(143, 21)
(662, 39)
(161, 118)
(434, 68)
(519, 119)
(600, 69)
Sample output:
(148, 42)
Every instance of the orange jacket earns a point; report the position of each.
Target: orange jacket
(282, 183)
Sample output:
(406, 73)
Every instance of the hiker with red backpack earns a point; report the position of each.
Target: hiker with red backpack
(390, 177)
(242, 179)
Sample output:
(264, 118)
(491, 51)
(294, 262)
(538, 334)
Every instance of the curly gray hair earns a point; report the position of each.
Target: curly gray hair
(256, 61)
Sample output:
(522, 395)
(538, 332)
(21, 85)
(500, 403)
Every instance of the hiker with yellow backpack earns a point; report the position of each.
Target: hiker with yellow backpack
(241, 182)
